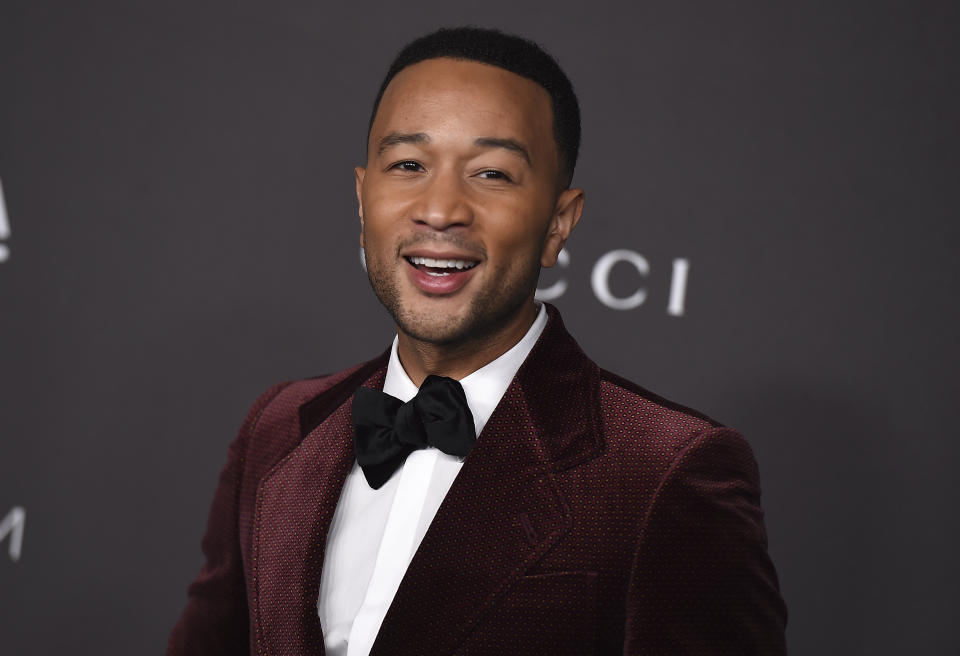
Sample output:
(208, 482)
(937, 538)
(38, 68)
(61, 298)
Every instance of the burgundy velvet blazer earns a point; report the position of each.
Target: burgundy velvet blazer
(591, 517)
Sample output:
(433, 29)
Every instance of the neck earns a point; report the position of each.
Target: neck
(458, 360)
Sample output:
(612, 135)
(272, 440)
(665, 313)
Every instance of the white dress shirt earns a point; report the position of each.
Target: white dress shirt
(375, 533)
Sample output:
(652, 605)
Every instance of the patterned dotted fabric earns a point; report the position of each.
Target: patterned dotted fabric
(592, 517)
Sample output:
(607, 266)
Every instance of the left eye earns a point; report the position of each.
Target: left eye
(494, 175)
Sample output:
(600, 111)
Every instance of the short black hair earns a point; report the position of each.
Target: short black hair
(509, 52)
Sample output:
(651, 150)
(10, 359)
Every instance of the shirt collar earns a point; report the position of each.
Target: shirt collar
(484, 387)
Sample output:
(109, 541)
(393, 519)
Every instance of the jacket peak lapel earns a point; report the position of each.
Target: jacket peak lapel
(295, 504)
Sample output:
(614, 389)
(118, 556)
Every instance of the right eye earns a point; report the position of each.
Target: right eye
(407, 165)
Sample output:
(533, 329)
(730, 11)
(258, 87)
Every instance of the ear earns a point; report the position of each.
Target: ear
(358, 173)
(566, 215)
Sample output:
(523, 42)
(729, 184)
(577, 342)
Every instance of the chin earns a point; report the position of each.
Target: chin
(434, 325)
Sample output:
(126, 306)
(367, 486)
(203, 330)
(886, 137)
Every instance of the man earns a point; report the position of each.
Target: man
(556, 508)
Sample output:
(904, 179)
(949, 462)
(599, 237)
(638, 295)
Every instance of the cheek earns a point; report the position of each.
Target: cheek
(381, 217)
(520, 232)
(385, 195)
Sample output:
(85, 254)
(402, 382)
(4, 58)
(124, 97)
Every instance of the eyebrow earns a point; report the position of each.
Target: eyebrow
(397, 138)
(512, 145)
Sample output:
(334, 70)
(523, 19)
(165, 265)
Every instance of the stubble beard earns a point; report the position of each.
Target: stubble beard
(490, 311)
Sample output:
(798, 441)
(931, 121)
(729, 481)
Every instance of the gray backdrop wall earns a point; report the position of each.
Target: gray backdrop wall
(179, 232)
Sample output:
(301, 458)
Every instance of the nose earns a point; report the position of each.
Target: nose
(444, 202)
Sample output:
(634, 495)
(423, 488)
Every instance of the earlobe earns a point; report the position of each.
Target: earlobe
(566, 216)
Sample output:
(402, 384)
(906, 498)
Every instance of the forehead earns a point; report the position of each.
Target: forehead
(443, 96)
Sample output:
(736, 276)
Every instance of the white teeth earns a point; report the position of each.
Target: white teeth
(442, 264)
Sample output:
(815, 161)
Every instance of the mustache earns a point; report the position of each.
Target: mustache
(458, 242)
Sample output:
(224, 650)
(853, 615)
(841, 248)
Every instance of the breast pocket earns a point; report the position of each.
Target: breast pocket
(552, 613)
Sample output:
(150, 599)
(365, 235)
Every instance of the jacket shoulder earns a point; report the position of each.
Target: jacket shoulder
(286, 412)
(636, 418)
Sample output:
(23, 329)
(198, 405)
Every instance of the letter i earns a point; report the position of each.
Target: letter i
(4, 227)
(678, 287)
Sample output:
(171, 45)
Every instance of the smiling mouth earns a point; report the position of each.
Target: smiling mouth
(440, 267)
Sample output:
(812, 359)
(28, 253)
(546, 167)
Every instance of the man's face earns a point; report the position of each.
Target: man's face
(459, 200)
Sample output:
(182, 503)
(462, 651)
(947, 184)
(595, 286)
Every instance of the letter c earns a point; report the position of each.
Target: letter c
(600, 279)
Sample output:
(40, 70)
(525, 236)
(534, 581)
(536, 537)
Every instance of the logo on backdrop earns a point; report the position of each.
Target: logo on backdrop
(4, 228)
(12, 526)
(600, 281)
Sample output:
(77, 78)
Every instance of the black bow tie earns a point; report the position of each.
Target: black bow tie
(387, 430)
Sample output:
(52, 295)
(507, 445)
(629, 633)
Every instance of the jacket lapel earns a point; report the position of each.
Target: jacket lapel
(504, 510)
(295, 505)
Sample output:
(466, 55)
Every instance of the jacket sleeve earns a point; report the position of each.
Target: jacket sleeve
(702, 581)
(216, 618)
